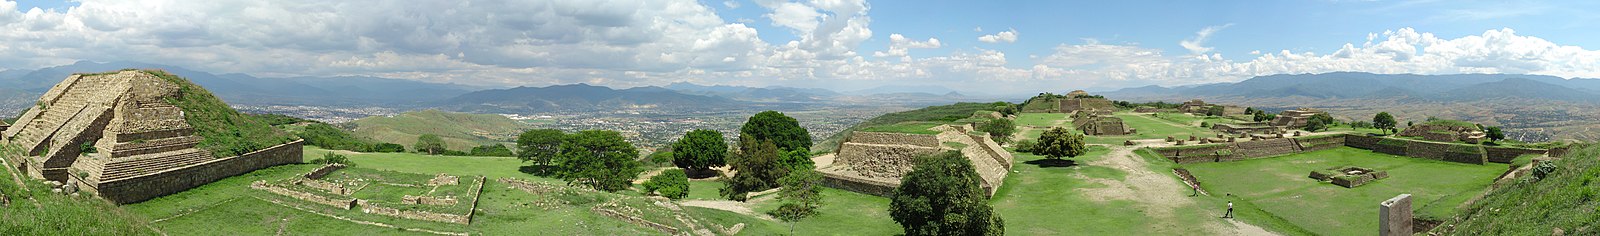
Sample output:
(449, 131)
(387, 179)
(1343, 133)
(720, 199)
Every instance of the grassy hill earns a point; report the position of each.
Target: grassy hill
(1565, 199)
(226, 131)
(460, 131)
(34, 210)
(913, 121)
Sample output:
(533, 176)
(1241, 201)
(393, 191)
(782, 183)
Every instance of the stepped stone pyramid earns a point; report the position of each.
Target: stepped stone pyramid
(124, 123)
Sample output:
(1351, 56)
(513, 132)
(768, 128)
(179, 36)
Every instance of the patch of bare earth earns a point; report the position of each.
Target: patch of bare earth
(1157, 193)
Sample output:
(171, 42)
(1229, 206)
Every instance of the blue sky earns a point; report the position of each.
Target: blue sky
(836, 44)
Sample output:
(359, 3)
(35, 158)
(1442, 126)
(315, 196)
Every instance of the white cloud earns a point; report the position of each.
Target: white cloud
(899, 46)
(1009, 36)
(1194, 44)
(731, 4)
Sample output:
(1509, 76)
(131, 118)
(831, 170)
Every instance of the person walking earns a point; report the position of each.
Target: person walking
(1230, 211)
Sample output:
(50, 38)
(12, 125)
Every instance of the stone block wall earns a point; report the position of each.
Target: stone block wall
(1506, 154)
(1361, 141)
(309, 197)
(881, 160)
(893, 139)
(1444, 152)
(860, 185)
(145, 187)
(428, 200)
(324, 171)
(1317, 143)
(333, 188)
(371, 208)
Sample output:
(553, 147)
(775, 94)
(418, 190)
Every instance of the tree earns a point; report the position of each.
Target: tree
(1384, 121)
(1058, 142)
(600, 159)
(999, 129)
(491, 150)
(540, 145)
(757, 167)
(1494, 133)
(1026, 145)
(796, 160)
(782, 130)
(941, 196)
(430, 144)
(699, 151)
(672, 183)
(1315, 124)
(1214, 111)
(801, 195)
(1327, 120)
(387, 147)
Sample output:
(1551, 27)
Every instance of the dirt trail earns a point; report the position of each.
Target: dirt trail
(1158, 193)
(730, 206)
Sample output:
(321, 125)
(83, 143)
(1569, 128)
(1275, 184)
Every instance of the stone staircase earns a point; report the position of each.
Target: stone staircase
(1269, 147)
(72, 100)
(126, 149)
(152, 163)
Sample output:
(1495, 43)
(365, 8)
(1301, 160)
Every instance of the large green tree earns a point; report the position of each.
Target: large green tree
(758, 168)
(673, 184)
(540, 145)
(1494, 133)
(1058, 142)
(1314, 125)
(1384, 121)
(600, 159)
(430, 144)
(491, 150)
(941, 196)
(782, 130)
(699, 151)
(999, 129)
(1327, 120)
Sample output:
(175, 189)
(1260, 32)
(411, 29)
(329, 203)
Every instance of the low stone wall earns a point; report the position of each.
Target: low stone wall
(325, 186)
(1506, 154)
(893, 139)
(1193, 154)
(309, 197)
(860, 185)
(324, 171)
(1317, 143)
(370, 208)
(428, 200)
(1445, 152)
(145, 187)
(669, 230)
(1361, 141)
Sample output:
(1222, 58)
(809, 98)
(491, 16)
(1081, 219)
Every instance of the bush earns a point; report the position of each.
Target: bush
(492, 150)
(331, 158)
(671, 183)
(1026, 145)
(999, 129)
(1544, 169)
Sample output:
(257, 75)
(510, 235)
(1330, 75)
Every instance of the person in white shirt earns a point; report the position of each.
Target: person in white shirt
(1230, 210)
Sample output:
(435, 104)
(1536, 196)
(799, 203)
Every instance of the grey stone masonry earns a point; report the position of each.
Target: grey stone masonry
(1394, 216)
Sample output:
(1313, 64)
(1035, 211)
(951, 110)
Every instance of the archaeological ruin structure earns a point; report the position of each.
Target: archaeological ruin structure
(1199, 107)
(1079, 100)
(1295, 119)
(1099, 123)
(874, 162)
(116, 135)
(1445, 131)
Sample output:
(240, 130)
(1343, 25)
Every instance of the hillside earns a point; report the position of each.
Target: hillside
(226, 132)
(460, 131)
(1564, 200)
(580, 98)
(913, 121)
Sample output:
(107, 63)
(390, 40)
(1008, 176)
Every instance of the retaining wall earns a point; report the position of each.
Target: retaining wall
(1361, 141)
(860, 185)
(1320, 142)
(1444, 152)
(145, 187)
(309, 197)
(893, 139)
(881, 160)
(370, 208)
(1506, 154)
(324, 171)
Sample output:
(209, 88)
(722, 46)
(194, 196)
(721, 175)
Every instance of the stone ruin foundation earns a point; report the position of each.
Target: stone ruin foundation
(873, 162)
(1349, 176)
(315, 187)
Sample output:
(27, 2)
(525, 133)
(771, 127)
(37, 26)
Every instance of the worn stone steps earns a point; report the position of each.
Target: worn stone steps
(127, 149)
(151, 163)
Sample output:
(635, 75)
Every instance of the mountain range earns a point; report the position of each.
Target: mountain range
(244, 89)
(1407, 87)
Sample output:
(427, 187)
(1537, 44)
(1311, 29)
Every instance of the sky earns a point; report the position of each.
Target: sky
(977, 47)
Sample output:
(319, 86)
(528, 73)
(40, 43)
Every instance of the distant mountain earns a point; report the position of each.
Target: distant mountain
(1357, 85)
(753, 94)
(580, 98)
(244, 89)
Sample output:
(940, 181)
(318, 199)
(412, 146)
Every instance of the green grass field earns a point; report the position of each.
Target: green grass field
(460, 131)
(1039, 119)
(914, 127)
(1280, 186)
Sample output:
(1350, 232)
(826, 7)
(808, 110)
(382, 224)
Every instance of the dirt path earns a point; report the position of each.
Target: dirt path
(1158, 193)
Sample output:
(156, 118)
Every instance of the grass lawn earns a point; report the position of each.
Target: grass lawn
(1040, 119)
(915, 127)
(842, 213)
(1280, 186)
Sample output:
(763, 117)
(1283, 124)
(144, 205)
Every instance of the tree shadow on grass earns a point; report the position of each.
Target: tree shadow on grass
(703, 174)
(538, 170)
(1052, 163)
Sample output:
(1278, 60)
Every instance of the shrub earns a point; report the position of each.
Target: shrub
(331, 158)
(941, 196)
(671, 183)
(492, 150)
(1544, 169)
(1026, 145)
(86, 148)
